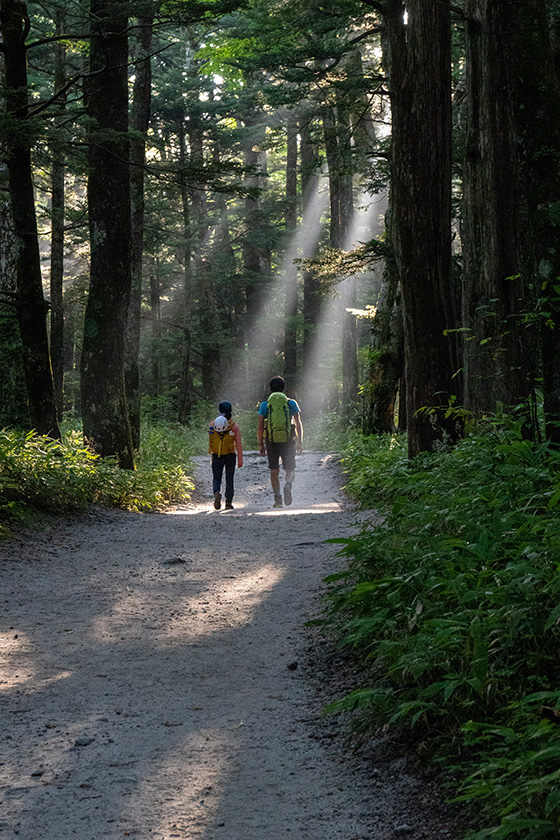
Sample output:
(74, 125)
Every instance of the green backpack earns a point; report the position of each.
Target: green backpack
(278, 421)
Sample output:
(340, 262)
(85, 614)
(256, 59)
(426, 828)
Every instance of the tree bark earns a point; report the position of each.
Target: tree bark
(13, 403)
(291, 291)
(386, 364)
(496, 350)
(336, 122)
(57, 235)
(419, 61)
(31, 305)
(185, 400)
(536, 106)
(309, 186)
(155, 312)
(104, 408)
(139, 123)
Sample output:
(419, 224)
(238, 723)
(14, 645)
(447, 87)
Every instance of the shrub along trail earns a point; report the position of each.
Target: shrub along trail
(156, 678)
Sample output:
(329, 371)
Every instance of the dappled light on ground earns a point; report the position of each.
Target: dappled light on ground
(192, 788)
(231, 602)
(16, 666)
(330, 507)
(156, 687)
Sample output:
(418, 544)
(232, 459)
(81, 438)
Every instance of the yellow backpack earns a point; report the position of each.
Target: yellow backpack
(222, 443)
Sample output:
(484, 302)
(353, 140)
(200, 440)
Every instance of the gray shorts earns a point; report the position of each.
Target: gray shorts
(281, 451)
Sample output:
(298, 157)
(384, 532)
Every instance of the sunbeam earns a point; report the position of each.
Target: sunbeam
(321, 375)
(267, 329)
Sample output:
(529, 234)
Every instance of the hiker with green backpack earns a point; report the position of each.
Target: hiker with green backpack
(280, 435)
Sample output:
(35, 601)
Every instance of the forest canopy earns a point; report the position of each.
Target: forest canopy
(361, 196)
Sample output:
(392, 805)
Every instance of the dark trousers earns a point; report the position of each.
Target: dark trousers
(218, 464)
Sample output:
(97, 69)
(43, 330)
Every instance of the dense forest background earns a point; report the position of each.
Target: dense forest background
(362, 196)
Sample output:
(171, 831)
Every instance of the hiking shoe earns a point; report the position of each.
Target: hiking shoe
(277, 501)
(288, 494)
(229, 506)
(217, 501)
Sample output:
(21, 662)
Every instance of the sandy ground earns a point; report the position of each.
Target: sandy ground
(156, 682)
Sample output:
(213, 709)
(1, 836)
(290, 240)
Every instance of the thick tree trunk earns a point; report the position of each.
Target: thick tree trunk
(104, 408)
(309, 186)
(13, 404)
(496, 352)
(536, 106)
(290, 306)
(419, 61)
(207, 309)
(155, 312)
(386, 365)
(255, 259)
(57, 239)
(185, 400)
(30, 302)
(336, 123)
(139, 122)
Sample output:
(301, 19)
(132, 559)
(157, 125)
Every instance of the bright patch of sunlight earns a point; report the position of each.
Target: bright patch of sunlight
(193, 776)
(234, 603)
(328, 507)
(17, 645)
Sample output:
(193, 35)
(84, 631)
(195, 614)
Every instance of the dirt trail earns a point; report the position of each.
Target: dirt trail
(154, 681)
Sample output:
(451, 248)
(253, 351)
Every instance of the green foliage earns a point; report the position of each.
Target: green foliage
(329, 432)
(453, 605)
(40, 474)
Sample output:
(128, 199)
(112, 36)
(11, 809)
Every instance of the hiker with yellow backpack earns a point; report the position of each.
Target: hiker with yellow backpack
(280, 435)
(224, 445)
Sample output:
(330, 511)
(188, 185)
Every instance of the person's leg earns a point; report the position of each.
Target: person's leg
(289, 464)
(275, 481)
(217, 472)
(230, 471)
(274, 467)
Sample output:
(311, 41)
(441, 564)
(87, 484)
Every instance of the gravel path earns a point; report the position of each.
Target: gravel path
(155, 682)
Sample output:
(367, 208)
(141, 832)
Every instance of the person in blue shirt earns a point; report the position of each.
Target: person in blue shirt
(285, 450)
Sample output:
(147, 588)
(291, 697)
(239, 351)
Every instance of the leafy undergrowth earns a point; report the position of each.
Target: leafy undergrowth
(453, 606)
(42, 475)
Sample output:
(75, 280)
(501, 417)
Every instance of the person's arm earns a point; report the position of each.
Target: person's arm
(238, 446)
(260, 435)
(299, 434)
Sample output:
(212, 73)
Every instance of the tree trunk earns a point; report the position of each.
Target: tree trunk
(13, 404)
(185, 400)
(207, 314)
(290, 306)
(57, 236)
(30, 302)
(309, 186)
(419, 60)
(536, 105)
(104, 408)
(155, 312)
(496, 352)
(386, 364)
(336, 123)
(139, 122)
(254, 256)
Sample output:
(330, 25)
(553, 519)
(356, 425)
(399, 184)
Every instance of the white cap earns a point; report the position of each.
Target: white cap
(220, 423)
